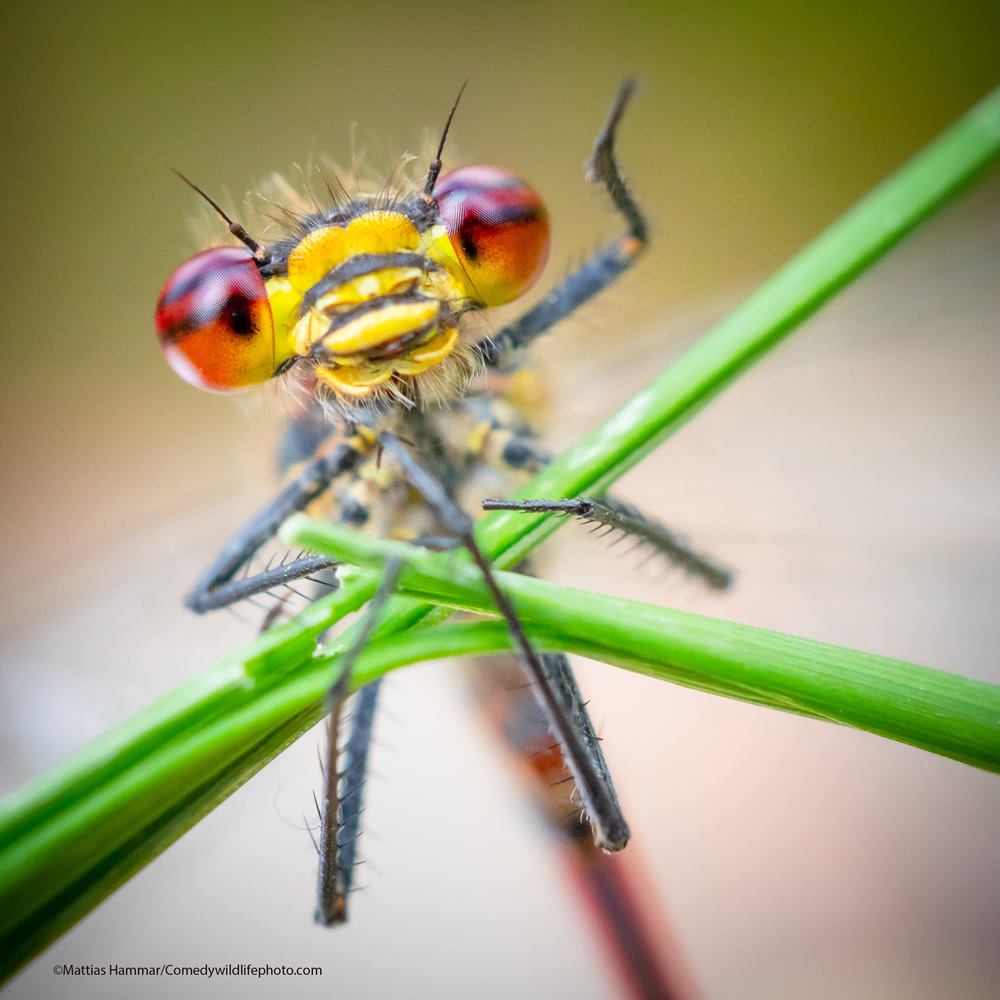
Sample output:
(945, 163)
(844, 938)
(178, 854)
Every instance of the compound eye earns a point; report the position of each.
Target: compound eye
(498, 227)
(214, 321)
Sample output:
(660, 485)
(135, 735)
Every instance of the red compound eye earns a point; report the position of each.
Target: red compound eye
(214, 321)
(498, 228)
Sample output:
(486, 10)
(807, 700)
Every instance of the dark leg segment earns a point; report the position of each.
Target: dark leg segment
(343, 793)
(602, 269)
(217, 589)
(579, 746)
(617, 515)
(523, 453)
(571, 702)
(237, 590)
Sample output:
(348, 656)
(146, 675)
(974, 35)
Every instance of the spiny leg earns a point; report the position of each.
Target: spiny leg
(522, 453)
(559, 698)
(602, 268)
(343, 793)
(260, 583)
(567, 692)
(217, 589)
(617, 515)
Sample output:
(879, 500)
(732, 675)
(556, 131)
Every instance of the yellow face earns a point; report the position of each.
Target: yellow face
(368, 297)
(395, 318)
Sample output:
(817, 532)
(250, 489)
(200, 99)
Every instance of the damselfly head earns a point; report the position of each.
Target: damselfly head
(369, 297)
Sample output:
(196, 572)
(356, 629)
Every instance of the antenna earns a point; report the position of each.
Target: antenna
(234, 227)
(432, 174)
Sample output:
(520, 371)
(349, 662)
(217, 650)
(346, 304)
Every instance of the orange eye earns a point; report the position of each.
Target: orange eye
(498, 228)
(214, 321)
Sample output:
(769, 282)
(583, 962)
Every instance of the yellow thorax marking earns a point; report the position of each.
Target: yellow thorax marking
(372, 328)
(322, 250)
(388, 281)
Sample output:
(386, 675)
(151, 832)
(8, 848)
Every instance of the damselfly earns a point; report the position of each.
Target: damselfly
(367, 307)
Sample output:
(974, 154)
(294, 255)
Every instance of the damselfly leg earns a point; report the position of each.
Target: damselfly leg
(615, 515)
(217, 587)
(603, 268)
(556, 688)
(343, 791)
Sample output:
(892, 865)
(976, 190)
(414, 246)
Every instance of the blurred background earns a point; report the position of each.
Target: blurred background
(851, 478)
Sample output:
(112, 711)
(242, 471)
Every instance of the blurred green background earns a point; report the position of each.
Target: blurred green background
(756, 125)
